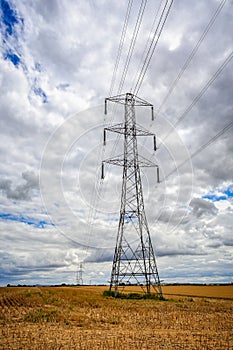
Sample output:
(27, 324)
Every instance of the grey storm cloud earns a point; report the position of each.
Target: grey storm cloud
(202, 207)
(22, 191)
(100, 255)
(179, 251)
(174, 216)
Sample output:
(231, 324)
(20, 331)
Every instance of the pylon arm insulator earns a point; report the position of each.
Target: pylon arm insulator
(102, 171)
(104, 137)
(155, 147)
(105, 106)
(158, 180)
(152, 113)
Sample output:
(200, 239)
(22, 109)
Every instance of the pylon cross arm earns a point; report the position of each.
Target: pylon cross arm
(121, 99)
(119, 160)
(120, 129)
(137, 101)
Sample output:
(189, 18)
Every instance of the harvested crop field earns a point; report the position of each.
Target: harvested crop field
(191, 317)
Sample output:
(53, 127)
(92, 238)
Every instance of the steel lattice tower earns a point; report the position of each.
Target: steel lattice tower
(80, 275)
(134, 259)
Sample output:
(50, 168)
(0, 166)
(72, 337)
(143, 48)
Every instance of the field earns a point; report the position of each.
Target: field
(191, 317)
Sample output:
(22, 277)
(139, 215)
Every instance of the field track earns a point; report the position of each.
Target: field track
(193, 318)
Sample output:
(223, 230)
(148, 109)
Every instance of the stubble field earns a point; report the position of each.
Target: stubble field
(81, 318)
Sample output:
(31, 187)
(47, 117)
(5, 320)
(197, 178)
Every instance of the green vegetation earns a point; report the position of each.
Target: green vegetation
(138, 296)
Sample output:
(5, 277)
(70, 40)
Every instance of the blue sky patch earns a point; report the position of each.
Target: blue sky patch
(38, 67)
(25, 220)
(214, 198)
(9, 16)
(38, 91)
(62, 87)
(220, 195)
(229, 192)
(13, 58)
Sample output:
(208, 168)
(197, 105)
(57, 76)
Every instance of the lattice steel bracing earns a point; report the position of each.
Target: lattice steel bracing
(134, 259)
(79, 276)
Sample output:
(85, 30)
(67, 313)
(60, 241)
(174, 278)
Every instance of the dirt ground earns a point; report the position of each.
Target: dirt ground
(190, 317)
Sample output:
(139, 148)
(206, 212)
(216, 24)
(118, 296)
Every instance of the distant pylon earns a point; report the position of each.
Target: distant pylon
(79, 280)
(134, 260)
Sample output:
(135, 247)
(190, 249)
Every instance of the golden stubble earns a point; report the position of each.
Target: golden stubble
(191, 317)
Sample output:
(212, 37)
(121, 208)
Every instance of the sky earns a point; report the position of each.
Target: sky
(57, 64)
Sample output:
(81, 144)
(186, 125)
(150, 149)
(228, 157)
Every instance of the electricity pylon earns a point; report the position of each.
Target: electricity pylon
(134, 260)
(80, 275)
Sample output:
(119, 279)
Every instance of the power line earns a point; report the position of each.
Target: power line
(153, 46)
(143, 62)
(129, 55)
(192, 54)
(98, 188)
(201, 93)
(121, 43)
(201, 148)
(194, 51)
(132, 44)
(147, 44)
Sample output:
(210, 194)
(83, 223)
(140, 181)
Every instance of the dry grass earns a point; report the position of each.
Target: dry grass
(200, 291)
(81, 318)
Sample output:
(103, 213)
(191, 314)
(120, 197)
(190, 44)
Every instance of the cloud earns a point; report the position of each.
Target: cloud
(181, 250)
(100, 255)
(23, 191)
(202, 207)
(56, 65)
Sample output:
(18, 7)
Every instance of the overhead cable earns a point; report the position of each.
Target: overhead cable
(147, 44)
(154, 42)
(192, 54)
(97, 188)
(121, 44)
(201, 148)
(132, 44)
(201, 93)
